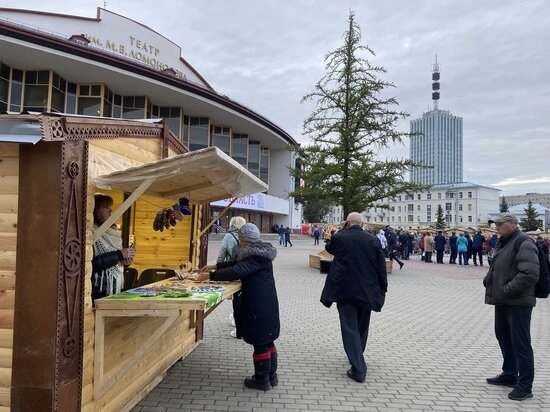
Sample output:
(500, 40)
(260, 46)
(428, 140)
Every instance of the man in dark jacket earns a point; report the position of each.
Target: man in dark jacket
(477, 247)
(439, 246)
(258, 316)
(452, 243)
(510, 286)
(357, 282)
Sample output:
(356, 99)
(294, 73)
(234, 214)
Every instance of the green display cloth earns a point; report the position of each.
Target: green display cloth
(211, 298)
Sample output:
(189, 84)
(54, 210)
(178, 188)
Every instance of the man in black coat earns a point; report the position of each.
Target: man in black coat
(357, 282)
(439, 246)
(258, 316)
(510, 287)
(452, 242)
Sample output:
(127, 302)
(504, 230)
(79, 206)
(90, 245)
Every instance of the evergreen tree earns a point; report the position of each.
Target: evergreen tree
(352, 121)
(440, 222)
(530, 222)
(503, 206)
(315, 210)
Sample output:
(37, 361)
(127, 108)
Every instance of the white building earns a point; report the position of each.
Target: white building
(335, 215)
(112, 66)
(519, 212)
(541, 198)
(464, 205)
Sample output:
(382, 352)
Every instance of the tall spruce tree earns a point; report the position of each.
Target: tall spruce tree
(440, 222)
(353, 120)
(530, 222)
(503, 206)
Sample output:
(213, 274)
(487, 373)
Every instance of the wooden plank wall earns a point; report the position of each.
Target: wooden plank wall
(9, 183)
(153, 249)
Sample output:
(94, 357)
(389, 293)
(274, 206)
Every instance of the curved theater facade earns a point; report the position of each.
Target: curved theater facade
(112, 66)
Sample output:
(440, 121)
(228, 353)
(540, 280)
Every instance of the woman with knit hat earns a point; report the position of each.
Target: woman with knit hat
(258, 317)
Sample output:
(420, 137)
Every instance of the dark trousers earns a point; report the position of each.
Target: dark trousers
(452, 258)
(462, 256)
(439, 255)
(354, 324)
(316, 241)
(393, 256)
(478, 253)
(428, 257)
(513, 331)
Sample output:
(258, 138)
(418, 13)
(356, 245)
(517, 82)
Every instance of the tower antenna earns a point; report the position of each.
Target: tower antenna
(435, 83)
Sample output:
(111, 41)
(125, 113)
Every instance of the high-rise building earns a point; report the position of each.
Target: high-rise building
(436, 141)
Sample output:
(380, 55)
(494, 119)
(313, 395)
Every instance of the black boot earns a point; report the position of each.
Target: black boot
(260, 380)
(273, 379)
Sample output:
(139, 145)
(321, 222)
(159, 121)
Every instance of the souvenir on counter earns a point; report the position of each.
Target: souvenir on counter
(207, 289)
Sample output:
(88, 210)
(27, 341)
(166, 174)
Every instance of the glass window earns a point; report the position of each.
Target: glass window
(4, 86)
(221, 138)
(418, 208)
(419, 196)
(133, 107)
(264, 165)
(37, 84)
(470, 195)
(89, 106)
(199, 131)
(254, 158)
(460, 208)
(172, 118)
(470, 219)
(239, 148)
(58, 93)
(448, 206)
(117, 106)
(429, 196)
(16, 90)
(460, 195)
(469, 206)
(439, 195)
(410, 208)
(398, 209)
(70, 106)
(410, 218)
(107, 102)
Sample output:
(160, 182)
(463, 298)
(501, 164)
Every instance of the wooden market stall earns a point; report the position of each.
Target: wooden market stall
(58, 351)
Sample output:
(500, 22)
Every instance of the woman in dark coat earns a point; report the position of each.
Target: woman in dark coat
(258, 317)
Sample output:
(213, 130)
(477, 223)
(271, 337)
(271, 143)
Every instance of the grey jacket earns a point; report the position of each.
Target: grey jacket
(511, 278)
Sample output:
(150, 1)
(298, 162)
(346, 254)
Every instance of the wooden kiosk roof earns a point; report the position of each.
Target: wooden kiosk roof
(202, 176)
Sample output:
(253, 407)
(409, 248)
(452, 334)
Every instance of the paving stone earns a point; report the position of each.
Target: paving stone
(430, 349)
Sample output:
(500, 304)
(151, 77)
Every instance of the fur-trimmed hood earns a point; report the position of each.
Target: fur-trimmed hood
(260, 249)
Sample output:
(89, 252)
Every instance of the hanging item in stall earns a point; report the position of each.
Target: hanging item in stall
(183, 206)
(167, 218)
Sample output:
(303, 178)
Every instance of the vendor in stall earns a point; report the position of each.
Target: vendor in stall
(258, 317)
(109, 255)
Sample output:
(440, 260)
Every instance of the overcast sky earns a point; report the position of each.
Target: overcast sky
(494, 55)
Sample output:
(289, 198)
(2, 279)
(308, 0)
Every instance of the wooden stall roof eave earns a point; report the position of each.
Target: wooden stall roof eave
(202, 176)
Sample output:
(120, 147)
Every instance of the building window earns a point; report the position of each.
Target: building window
(133, 107)
(4, 86)
(199, 128)
(59, 86)
(470, 219)
(410, 218)
(399, 198)
(410, 208)
(254, 158)
(460, 208)
(89, 99)
(172, 117)
(409, 197)
(16, 92)
(117, 106)
(393, 218)
(399, 209)
(439, 195)
(428, 217)
(70, 101)
(264, 165)
(460, 219)
(221, 138)
(429, 196)
(419, 197)
(469, 206)
(469, 195)
(399, 219)
(37, 85)
(418, 208)
(460, 195)
(448, 206)
(239, 148)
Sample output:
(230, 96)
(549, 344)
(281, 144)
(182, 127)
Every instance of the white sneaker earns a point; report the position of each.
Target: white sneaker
(232, 320)
(233, 333)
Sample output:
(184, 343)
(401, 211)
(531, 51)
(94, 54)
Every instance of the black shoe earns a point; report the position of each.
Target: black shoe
(519, 394)
(274, 380)
(355, 378)
(475, 264)
(253, 383)
(401, 265)
(502, 381)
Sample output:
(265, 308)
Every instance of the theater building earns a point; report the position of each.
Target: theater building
(112, 66)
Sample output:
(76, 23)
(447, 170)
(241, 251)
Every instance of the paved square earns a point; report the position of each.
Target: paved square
(430, 348)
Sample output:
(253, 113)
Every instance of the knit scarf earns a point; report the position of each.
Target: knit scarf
(109, 279)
